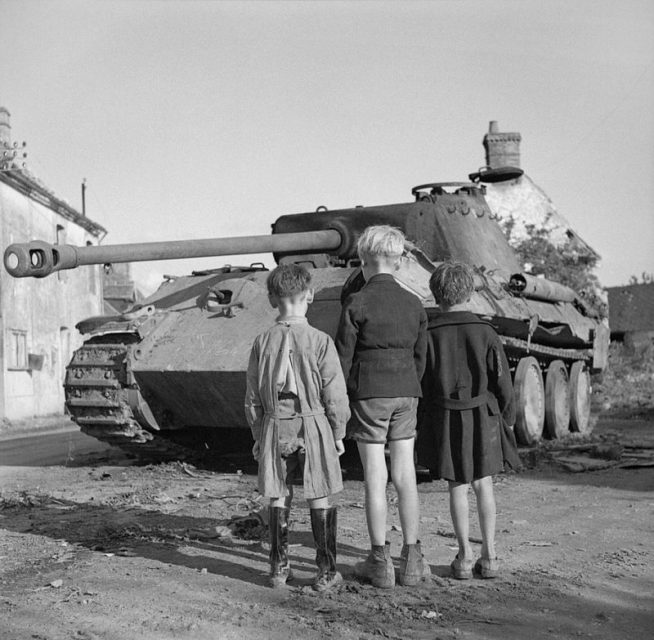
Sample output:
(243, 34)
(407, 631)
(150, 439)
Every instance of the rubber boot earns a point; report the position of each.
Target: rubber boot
(280, 568)
(377, 567)
(323, 527)
(413, 567)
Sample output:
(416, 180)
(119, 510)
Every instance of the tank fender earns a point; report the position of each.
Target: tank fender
(139, 324)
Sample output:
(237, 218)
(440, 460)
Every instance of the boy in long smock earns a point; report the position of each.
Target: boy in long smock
(297, 407)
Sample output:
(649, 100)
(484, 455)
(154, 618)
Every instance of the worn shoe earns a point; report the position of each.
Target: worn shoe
(377, 567)
(461, 568)
(327, 580)
(413, 567)
(279, 576)
(487, 567)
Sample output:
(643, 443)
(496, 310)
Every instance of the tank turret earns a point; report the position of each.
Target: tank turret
(169, 374)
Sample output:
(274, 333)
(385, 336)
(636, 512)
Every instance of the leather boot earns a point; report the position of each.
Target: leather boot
(323, 527)
(280, 568)
(413, 567)
(377, 567)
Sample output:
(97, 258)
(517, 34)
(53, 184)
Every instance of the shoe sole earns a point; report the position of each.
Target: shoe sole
(380, 583)
(383, 584)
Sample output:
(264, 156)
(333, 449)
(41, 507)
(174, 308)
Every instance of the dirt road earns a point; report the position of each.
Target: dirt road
(119, 552)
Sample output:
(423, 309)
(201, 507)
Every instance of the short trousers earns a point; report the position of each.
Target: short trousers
(290, 435)
(293, 467)
(378, 420)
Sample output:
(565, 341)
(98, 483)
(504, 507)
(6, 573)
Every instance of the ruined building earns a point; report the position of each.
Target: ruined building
(523, 201)
(38, 315)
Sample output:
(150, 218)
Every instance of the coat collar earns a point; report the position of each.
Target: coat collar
(380, 278)
(454, 317)
(292, 320)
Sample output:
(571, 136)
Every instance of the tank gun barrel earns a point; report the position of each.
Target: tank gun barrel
(38, 259)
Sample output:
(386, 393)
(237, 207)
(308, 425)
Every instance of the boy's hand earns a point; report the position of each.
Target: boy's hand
(340, 447)
(255, 451)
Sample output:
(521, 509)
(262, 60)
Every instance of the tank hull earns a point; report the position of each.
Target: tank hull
(180, 365)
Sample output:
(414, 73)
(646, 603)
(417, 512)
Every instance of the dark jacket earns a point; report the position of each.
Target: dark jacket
(467, 400)
(381, 341)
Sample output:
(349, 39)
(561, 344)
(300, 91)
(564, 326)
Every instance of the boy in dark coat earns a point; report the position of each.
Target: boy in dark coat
(467, 392)
(381, 341)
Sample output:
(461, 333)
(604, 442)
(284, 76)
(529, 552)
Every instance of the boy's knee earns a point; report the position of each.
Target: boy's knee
(482, 484)
(376, 479)
(404, 477)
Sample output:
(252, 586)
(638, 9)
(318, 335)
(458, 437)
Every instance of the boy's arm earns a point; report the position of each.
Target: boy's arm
(346, 337)
(499, 380)
(334, 393)
(253, 408)
(420, 348)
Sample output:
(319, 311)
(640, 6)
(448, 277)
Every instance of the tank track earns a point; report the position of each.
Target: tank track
(517, 349)
(97, 388)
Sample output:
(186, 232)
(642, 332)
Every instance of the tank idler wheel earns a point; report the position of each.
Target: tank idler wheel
(557, 400)
(580, 398)
(530, 401)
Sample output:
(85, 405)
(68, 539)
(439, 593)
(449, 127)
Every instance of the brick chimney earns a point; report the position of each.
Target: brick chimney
(502, 149)
(5, 127)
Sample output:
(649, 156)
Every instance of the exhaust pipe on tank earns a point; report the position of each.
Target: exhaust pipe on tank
(535, 288)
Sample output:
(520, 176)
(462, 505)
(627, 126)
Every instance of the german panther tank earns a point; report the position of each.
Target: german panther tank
(169, 374)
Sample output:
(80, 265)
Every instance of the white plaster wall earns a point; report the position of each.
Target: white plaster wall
(47, 308)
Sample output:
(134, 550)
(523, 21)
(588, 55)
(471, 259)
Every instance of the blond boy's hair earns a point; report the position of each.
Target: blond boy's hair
(381, 241)
(452, 283)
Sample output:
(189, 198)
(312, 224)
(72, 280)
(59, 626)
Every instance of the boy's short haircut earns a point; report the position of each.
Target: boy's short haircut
(288, 280)
(381, 240)
(452, 283)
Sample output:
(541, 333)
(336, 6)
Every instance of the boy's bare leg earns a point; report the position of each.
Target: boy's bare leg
(318, 503)
(378, 566)
(403, 473)
(459, 512)
(284, 502)
(375, 477)
(483, 489)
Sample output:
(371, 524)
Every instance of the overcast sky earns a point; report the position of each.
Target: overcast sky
(206, 119)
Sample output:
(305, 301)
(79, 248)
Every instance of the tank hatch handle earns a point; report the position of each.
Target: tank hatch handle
(221, 300)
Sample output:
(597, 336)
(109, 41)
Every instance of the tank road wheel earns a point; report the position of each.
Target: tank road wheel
(530, 401)
(557, 400)
(580, 398)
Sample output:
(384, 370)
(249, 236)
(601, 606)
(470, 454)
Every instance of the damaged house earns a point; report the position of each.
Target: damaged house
(38, 315)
